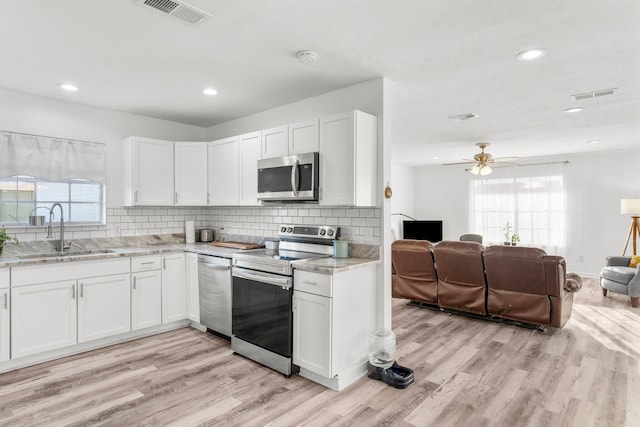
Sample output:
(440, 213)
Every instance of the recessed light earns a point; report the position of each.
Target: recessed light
(68, 86)
(465, 116)
(573, 109)
(210, 91)
(593, 141)
(531, 54)
(436, 158)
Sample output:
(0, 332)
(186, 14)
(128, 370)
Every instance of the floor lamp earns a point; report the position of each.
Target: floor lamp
(631, 206)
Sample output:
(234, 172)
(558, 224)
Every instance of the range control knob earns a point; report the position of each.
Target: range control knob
(290, 230)
(283, 229)
(330, 233)
(322, 232)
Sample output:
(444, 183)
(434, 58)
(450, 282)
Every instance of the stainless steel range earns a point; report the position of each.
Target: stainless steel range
(262, 319)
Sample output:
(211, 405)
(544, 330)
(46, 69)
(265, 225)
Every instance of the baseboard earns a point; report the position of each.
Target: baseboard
(47, 356)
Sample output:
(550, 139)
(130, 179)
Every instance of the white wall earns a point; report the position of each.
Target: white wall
(595, 184)
(20, 112)
(403, 200)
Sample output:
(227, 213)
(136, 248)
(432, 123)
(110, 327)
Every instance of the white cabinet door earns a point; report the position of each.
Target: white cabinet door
(104, 306)
(193, 293)
(312, 325)
(174, 289)
(152, 171)
(303, 137)
(146, 299)
(348, 165)
(5, 331)
(43, 317)
(191, 173)
(275, 142)
(250, 149)
(223, 172)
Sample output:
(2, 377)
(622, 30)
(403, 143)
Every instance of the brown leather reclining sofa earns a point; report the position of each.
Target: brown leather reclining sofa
(515, 283)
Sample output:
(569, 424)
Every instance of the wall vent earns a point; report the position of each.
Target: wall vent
(593, 95)
(176, 9)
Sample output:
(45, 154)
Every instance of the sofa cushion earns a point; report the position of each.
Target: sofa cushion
(620, 275)
(413, 274)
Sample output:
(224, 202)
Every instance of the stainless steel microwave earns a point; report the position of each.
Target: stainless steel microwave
(289, 178)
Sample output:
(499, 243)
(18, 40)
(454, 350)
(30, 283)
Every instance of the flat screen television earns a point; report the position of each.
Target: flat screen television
(422, 230)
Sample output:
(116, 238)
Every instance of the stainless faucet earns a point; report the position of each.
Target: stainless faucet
(61, 245)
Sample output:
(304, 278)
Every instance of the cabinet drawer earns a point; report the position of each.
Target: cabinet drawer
(57, 272)
(4, 277)
(313, 283)
(146, 263)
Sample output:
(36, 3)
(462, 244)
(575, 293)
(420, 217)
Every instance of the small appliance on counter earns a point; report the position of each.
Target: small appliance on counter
(205, 235)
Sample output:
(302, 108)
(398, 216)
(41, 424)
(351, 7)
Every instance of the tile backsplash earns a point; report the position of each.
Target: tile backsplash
(358, 225)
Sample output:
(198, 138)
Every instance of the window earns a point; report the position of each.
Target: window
(82, 201)
(530, 198)
(39, 171)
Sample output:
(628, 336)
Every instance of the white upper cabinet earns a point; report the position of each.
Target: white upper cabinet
(275, 142)
(303, 137)
(348, 159)
(190, 173)
(149, 179)
(250, 153)
(297, 138)
(224, 172)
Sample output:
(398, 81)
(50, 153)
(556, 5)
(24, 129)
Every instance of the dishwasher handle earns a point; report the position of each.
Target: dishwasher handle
(212, 265)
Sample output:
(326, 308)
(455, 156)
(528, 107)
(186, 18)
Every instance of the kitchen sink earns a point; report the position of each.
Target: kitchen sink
(63, 254)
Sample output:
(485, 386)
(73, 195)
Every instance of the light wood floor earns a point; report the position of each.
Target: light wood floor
(468, 373)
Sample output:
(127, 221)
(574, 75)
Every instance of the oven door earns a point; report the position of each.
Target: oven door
(261, 310)
(288, 178)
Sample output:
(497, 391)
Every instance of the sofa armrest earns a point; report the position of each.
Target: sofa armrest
(618, 261)
(634, 284)
(573, 283)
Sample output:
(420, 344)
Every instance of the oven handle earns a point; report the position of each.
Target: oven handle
(285, 283)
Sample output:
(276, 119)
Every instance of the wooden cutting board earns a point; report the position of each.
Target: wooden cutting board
(236, 245)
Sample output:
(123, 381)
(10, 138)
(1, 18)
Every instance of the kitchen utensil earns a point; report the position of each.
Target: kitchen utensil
(36, 219)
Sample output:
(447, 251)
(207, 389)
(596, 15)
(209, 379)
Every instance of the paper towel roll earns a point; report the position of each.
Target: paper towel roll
(189, 232)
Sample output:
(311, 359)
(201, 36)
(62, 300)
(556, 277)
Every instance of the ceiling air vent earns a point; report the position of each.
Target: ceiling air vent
(593, 95)
(176, 9)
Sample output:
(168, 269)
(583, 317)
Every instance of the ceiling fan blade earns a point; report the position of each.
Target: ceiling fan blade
(503, 164)
(459, 163)
(505, 159)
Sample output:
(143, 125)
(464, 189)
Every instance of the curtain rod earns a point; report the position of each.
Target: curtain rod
(53, 137)
(559, 162)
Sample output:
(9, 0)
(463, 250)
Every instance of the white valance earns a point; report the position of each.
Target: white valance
(53, 159)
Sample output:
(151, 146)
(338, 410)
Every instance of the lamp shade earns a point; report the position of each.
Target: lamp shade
(630, 206)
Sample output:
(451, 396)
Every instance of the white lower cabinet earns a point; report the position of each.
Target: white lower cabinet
(5, 331)
(43, 317)
(174, 291)
(146, 299)
(312, 332)
(193, 292)
(333, 316)
(104, 306)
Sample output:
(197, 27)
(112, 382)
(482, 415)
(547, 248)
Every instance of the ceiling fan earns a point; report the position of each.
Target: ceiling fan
(482, 160)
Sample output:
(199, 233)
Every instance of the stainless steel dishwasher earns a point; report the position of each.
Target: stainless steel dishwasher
(214, 283)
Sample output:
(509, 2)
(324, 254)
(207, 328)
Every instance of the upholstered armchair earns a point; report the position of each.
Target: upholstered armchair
(413, 274)
(469, 237)
(618, 277)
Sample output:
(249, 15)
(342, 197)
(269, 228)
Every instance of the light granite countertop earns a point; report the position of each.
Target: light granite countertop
(32, 253)
(333, 265)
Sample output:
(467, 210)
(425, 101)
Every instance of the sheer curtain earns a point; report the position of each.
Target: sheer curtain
(530, 198)
(52, 159)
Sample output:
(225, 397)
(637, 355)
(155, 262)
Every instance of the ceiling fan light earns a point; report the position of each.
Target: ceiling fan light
(485, 170)
(475, 170)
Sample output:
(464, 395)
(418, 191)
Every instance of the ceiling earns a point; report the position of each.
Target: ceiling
(442, 59)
